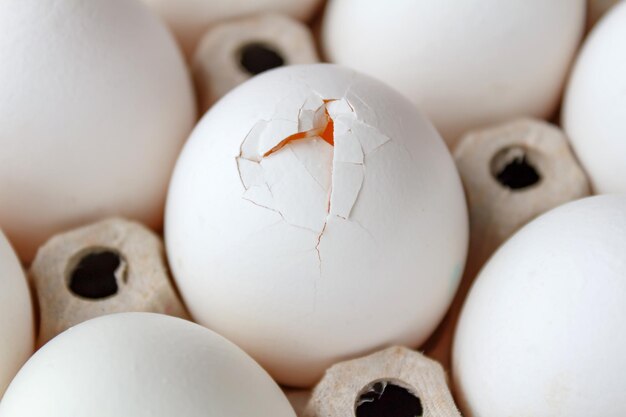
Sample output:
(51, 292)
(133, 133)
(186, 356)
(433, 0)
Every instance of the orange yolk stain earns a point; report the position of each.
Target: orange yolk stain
(326, 133)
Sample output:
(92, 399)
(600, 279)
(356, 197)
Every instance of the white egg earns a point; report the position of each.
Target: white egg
(304, 253)
(189, 19)
(95, 103)
(543, 331)
(142, 365)
(16, 315)
(466, 64)
(594, 111)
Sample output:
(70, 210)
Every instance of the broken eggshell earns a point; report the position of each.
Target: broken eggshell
(142, 365)
(315, 215)
(17, 332)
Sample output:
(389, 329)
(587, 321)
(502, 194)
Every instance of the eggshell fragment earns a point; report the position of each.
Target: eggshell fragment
(543, 331)
(465, 64)
(189, 19)
(315, 215)
(95, 102)
(232, 52)
(111, 266)
(142, 365)
(16, 315)
(594, 110)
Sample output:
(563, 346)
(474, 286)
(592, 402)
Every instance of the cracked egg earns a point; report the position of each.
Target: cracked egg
(315, 215)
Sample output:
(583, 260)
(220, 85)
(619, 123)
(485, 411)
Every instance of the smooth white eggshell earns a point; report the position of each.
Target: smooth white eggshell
(466, 64)
(95, 102)
(269, 267)
(594, 111)
(543, 330)
(142, 365)
(189, 19)
(16, 315)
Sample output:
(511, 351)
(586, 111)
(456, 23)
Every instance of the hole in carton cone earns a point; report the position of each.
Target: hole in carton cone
(256, 58)
(387, 399)
(513, 168)
(95, 276)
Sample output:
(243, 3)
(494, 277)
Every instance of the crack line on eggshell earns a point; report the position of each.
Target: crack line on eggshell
(330, 194)
(261, 205)
(353, 163)
(306, 169)
(273, 150)
(378, 146)
(267, 185)
(353, 115)
(348, 89)
(282, 217)
(281, 214)
(363, 228)
(406, 150)
(247, 136)
(317, 246)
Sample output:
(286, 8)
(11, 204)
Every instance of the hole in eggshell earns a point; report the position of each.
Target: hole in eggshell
(386, 398)
(320, 127)
(96, 273)
(326, 133)
(256, 58)
(513, 168)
